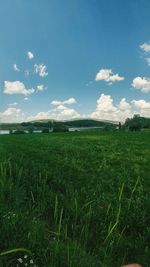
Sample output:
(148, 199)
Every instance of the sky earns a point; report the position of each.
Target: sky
(68, 59)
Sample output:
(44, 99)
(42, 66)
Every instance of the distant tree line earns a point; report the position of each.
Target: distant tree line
(137, 123)
(131, 124)
(86, 123)
(73, 123)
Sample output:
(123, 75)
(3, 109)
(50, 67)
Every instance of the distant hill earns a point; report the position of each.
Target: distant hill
(10, 126)
(87, 123)
(40, 124)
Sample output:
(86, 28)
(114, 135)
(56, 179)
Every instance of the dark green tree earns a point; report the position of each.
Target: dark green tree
(120, 126)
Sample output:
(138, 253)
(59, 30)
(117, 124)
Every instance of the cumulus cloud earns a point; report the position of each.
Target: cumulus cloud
(124, 105)
(141, 104)
(142, 84)
(30, 55)
(145, 47)
(107, 110)
(15, 67)
(65, 113)
(16, 87)
(108, 76)
(12, 114)
(59, 113)
(41, 70)
(69, 101)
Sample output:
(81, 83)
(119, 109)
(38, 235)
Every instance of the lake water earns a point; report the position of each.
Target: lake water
(71, 129)
(4, 132)
(81, 129)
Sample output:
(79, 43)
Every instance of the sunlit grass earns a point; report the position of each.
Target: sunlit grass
(75, 199)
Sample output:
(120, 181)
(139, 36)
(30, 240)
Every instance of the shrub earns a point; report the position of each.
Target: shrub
(45, 130)
(60, 128)
(30, 129)
(19, 132)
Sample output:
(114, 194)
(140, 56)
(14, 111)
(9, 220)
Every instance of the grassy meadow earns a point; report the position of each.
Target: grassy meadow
(75, 199)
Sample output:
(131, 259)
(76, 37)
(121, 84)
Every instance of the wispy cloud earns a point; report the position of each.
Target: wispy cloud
(69, 101)
(13, 104)
(27, 72)
(15, 67)
(26, 99)
(148, 60)
(146, 48)
(41, 70)
(40, 88)
(30, 55)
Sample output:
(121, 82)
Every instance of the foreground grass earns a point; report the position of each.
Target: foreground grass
(75, 199)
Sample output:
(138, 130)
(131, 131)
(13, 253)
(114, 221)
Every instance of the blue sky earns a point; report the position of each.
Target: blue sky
(91, 56)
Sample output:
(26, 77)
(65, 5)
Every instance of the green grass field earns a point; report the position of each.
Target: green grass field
(75, 199)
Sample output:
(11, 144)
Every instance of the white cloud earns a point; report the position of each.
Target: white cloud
(41, 70)
(15, 67)
(56, 102)
(39, 116)
(12, 114)
(30, 55)
(59, 113)
(65, 113)
(13, 104)
(145, 47)
(124, 105)
(108, 76)
(69, 101)
(148, 60)
(26, 99)
(40, 88)
(142, 107)
(141, 104)
(61, 107)
(142, 84)
(16, 87)
(107, 110)
(105, 103)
